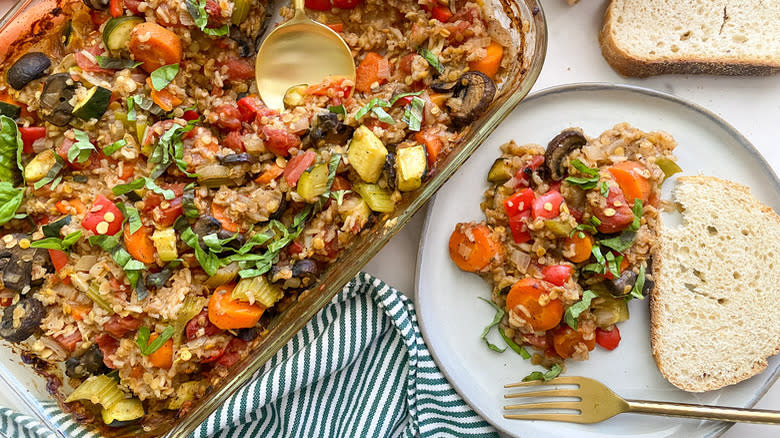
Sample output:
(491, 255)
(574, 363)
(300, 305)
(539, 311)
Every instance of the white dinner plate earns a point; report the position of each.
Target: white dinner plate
(452, 317)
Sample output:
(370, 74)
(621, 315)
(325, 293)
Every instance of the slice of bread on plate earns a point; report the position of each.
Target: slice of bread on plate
(723, 37)
(715, 308)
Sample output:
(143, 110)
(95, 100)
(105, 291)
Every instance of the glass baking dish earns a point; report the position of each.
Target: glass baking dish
(27, 20)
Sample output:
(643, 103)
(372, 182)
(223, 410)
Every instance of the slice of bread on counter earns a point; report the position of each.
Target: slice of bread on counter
(715, 308)
(723, 37)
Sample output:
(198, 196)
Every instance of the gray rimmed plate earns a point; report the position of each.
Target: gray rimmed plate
(452, 318)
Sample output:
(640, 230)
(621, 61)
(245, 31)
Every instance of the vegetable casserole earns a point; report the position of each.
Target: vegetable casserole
(156, 215)
(568, 239)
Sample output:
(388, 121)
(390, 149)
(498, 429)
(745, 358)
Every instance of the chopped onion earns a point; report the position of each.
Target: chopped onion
(85, 263)
(58, 351)
(520, 259)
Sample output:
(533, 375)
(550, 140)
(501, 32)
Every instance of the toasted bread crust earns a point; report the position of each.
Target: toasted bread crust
(629, 64)
(661, 294)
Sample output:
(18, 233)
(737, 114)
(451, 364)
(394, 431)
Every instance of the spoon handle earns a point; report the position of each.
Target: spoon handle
(299, 6)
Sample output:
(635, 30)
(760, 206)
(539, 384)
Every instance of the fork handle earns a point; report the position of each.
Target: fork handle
(704, 412)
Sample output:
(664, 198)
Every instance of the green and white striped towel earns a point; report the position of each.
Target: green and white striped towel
(360, 368)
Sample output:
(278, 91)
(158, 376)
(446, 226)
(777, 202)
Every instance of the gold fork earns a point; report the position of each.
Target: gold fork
(597, 403)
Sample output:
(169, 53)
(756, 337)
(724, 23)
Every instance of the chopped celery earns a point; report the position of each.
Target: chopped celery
(224, 275)
(165, 243)
(357, 209)
(102, 390)
(127, 409)
(377, 198)
(257, 289)
(93, 292)
(191, 307)
(240, 11)
(558, 227)
(668, 166)
(367, 154)
(313, 182)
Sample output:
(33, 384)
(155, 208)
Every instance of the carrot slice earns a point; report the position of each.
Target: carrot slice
(579, 246)
(218, 212)
(139, 244)
(629, 176)
(163, 356)
(374, 68)
(155, 46)
(164, 98)
(472, 247)
(227, 313)
(526, 293)
(71, 206)
(491, 62)
(432, 142)
(269, 175)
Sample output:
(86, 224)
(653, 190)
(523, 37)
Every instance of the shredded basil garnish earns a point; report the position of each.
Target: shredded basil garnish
(552, 373)
(414, 113)
(496, 319)
(636, 291)
(519, 349)
(115, 146)
(197, 9)
(432, 59)
(574, 311)
(56, 243)
(116, 63)
(142, 340)
(164, 76)
(81, 149)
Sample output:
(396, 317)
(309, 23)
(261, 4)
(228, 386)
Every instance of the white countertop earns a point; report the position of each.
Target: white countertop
(751, 105)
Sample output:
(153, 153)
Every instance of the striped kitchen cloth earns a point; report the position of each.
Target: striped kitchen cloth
(360, 368)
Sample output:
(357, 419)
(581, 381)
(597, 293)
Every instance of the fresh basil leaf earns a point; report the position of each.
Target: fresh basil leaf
(382, 115)
(413, 114)
(208, 261)
(373, 103)
(595, 221)
(104, 242)
(621, 242)
(636, 291)
(170, 149)
(637, 210)
(11, 170)
(496, 319)
(164, 76)
(402, 95)
(585, 170)
(168, 194)
(338, 195)
(52, 176)
(513, 345)
(160, 340)
(197, 9)
(338, 109)
(147, 104)
(131, 114)
(10, 200)
(552, 373)
(142, 338)
(583, 227)
(604, 189)
(188, 202)
(80, 151)
(115, 146)
(432, 59)
(585, 183)
(52, 229)
(56, 243)
(613, 264)
(574, 311)
(136, 184)
(116, 63)
(132, 216)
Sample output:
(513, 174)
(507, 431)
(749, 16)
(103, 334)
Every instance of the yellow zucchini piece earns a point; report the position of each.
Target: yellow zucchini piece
(377, 198)
(40, 166)
(165, 242)
(128, 409)
(367, 154)
(313, 183)
(410, 164)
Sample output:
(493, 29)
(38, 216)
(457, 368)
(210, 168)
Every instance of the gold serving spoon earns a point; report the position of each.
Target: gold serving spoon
(300, 51)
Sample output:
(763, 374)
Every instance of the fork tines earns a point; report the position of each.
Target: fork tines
(549, 391)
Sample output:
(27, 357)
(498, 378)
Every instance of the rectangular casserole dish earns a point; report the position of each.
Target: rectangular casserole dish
(524, 19)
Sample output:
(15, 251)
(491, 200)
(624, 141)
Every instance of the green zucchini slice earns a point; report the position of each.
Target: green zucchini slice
(10, 110)
(116, 33)
(94, 104)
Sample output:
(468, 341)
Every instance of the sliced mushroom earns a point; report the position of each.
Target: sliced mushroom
(21, 320)
(559, 148)
(301, 274)
(87, 364)
(623, 284)
(23, 268)
(329, 129)
(29, 67)
(233, 159)
(57, 92)
(473, 91)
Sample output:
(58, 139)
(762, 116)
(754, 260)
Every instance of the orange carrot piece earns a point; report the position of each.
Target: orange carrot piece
(472, 247)
(579, 247)
(163, 356)
(526, 292)
(219, 214)
(270, 174)
(432, 142)
(374, 68)
(164, 98)
(79, 311)
(629, 176)
(71, 206)
(155, 46)
(227, 313)
(139, 244)
(491, 62)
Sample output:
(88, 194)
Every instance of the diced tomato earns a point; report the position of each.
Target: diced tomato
(373, 69)
(541, 342)
(406, 100)
(441, 13)
(433, 144)
(334, 88)
(190, 115)
(576, 213)
(212, 8)
(86, 63)
(232, 353)
(519, 227)
(153, 200)
(233, 141)
(58, 258)
(520, 201)
(340, 183)
(118, 327)
(216, 355)
(132, 6)
(524, 174)
(5, 302)
(229, 117)
(337, 27)
(70, 340)
(29, 135)
(406, 63)
(608, 339)
(116, 7)
(608, 274)
(318, 5)
(239, 69)
(557, 274)
(346, 4)
(565, 339)
(250, 107)
(616, 215)
(295, 247)
(103, 218)
(200, 321)
(548, 205)
(98, 17)
(62, 151)
(297, 165)
(165, 217)
(280, 141)
(108, 346)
